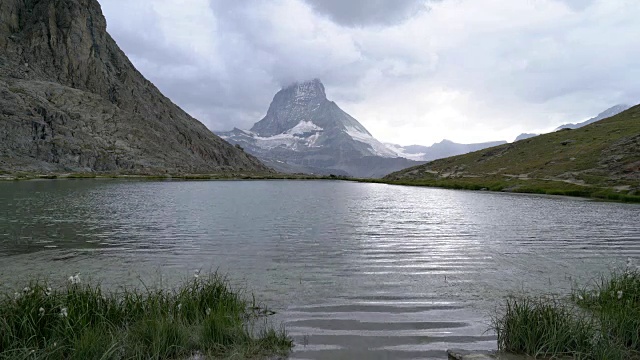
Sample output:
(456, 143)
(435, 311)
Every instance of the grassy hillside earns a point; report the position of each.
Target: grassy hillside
(599, 160)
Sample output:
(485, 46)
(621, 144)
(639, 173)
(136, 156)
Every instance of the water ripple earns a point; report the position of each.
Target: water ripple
(353, 270)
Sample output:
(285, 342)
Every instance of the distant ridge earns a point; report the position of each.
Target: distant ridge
(440, 150)
(525, 136)
(614, 110)
(601, 159)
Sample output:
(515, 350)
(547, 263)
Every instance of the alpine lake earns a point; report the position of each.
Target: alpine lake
(352, 270)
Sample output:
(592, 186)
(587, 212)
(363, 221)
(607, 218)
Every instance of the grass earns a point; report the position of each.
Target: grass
(81, 321)
(601, 322)
(517, 186)
(600, 160)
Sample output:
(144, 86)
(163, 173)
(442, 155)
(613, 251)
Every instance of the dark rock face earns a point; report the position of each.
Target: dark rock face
(70, 100)
(305, 132)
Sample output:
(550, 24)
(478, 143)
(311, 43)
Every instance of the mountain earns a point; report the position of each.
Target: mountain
(71, 101)
(440, 150)
(524, 136)
(601, 159)
(305, 132)
(614, 110)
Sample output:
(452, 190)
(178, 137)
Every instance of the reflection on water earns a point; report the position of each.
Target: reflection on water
(355, 270)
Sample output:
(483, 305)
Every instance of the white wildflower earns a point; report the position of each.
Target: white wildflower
(41, 311)
(580, 297)
(75, 279)
(26, 290)
(63, 312)
(179, 307)
(619, 294)
(208, 311)
(48, 291)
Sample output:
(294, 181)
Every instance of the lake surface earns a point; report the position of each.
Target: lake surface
(353, 270)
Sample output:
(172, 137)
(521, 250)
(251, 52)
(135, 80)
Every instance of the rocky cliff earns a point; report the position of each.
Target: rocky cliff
(70, 100)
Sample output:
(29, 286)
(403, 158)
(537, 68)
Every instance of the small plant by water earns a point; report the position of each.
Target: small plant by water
(203, 317)
(597, 322)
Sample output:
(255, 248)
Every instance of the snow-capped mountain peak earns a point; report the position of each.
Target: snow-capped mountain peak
(300, 116)
(304, 128)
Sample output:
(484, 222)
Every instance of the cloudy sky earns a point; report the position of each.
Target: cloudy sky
(411, 71)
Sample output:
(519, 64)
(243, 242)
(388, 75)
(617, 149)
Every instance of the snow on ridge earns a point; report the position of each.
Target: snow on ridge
(293, 138)
(275, 141)
(399, 151)
(311, 140)
(232, 134)
(304, 127)
(378, 148)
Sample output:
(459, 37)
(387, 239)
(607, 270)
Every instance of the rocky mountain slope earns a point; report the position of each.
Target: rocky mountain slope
(305, 132)
(599, 158)
(443, 149)
(71, 101)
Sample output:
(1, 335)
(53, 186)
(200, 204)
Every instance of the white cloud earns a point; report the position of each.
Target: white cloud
(466, 70)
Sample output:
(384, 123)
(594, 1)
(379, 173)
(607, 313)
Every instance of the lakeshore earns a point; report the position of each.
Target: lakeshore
(528, 187)
(201, 317)
(352, 270)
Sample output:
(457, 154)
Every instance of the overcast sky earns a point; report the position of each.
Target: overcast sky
(411, 71)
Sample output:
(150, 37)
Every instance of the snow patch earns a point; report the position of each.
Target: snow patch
(304, 127)
(400, 152)
(311, 140)
(293, 138)
(275, 141)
